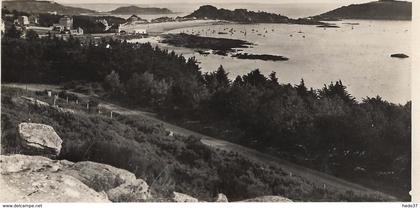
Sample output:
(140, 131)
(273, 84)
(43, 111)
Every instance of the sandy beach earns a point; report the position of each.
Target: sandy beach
(158, 28)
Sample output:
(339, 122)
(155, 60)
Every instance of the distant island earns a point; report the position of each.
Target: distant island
(245, 16)
(378, 10)
(399, 55)
(37, 7)
(264, 57)
(140, 10)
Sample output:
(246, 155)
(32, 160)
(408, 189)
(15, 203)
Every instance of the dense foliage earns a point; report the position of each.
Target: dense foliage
(325, 129)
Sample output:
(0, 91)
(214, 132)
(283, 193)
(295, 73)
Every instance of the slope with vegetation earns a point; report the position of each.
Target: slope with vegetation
(377, 10)
(325, 129)
(245, 16)
(33, 6)
(167, 163)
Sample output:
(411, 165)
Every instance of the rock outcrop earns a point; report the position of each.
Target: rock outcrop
(36, 102)
(39, 179)
(221, 198)
(99, 176)
(39, 139)
(268, 199)
(178, 197)
(133, 191)
(399, 55)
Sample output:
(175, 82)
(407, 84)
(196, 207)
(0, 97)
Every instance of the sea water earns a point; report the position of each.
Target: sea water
(357, 53)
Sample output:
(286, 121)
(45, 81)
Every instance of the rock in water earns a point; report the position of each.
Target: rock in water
(178, 197)
(134, 191)
(39, 139)
(399, 55)
(268, 199)
(221, 198)
(38, 179)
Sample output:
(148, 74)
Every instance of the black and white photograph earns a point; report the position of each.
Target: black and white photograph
(206, 101)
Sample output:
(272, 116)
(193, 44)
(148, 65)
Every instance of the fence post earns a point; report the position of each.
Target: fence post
(111, 114)
(55, 100)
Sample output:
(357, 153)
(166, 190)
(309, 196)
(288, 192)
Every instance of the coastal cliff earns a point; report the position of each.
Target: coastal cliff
(378, 10)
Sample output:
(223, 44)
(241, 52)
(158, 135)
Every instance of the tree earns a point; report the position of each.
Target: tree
(13, 32)
(216, 81)
(301, 88)
(31, 35)
(112, 82)
(337, 90)
(273, 78)
(255, 78)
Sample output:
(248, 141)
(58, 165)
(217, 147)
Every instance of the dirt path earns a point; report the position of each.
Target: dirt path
(318, 178)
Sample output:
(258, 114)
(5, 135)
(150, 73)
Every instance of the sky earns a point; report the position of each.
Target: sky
(210, 1)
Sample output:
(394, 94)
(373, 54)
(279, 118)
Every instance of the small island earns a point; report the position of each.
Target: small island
(328, 26)
(264, 57)
(140, 10)
(399, 55)
(220, 46)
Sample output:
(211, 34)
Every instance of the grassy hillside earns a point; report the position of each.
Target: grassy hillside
(381, 10)
(31, 6)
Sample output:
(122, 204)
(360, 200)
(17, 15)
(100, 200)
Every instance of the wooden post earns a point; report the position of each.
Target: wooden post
(87, 105)
(77, 101)
(111, 114)
(67, 99)
(55, 100)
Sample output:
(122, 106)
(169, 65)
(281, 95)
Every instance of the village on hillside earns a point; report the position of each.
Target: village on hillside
(54, 24)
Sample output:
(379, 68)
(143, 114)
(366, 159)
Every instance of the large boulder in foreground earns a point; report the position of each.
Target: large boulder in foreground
(268, 199)
(221, 198)
(38, 179)
(39, 139)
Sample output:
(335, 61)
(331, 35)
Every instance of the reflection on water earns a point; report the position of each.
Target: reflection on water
(359, 55)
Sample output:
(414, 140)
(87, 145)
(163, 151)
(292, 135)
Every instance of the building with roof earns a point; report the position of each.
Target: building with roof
(66, 22)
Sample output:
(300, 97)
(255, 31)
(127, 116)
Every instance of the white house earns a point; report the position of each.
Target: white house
(2, 27)
(78, 31)
(140, 31)
(23, 20)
